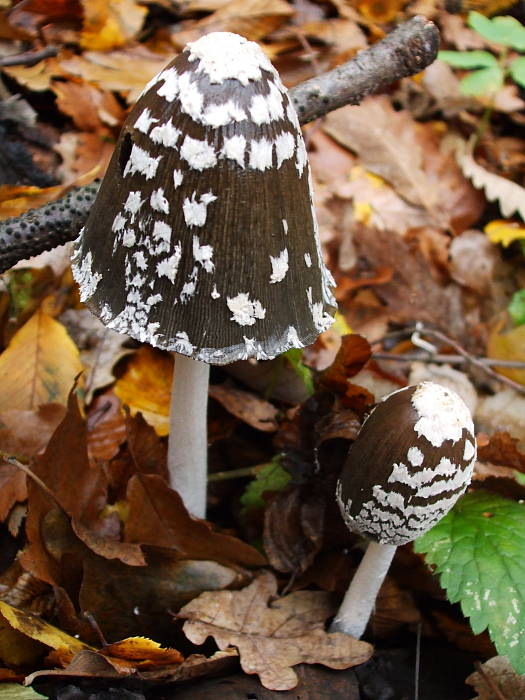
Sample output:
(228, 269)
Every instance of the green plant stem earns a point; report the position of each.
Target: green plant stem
(237, 473)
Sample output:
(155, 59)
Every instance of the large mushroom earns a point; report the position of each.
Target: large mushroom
(410, 462)
(203, 238)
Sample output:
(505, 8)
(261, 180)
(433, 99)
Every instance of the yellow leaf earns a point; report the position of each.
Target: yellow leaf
(16, 649)
(143, 649)
(146, 387)
(362, 212)
(508, 346)
(504, 232)
(340, 325)
(33, 627)
(110, 23)
(39, 366)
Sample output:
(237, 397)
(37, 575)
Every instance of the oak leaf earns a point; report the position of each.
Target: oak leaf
(272, 637)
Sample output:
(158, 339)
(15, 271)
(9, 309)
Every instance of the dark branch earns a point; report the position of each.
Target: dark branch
(407, 50)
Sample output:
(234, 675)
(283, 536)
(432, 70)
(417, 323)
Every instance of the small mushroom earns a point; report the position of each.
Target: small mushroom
(410, 462)
(203, 238)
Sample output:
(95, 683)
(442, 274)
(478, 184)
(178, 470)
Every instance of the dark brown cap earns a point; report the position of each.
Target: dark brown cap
(409, 464)
(203, 239)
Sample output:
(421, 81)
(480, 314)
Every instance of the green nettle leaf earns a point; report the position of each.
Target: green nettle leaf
(485, 81)
(501, 30)
(272, 477)
(517, 307)
(295, 358)
(468, 59)
(478, 550)
(517, 70)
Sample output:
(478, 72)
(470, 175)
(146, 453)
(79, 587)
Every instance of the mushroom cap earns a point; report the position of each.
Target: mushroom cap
(203, 237)
(410, 462)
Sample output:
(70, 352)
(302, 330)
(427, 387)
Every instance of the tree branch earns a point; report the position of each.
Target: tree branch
(408, 49)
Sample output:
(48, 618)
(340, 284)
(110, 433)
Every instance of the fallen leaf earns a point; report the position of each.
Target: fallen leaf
(33, 627)
(502, 449)
(508, 345)
(106, 427)
(142, 650)
(109, 24)
(352, 356)
(91, 109)
(272, 636)
(509, 195)
(253, 19)
(505, 232)
(497, 672)
(157, 517)
(122, 70)
(39, 366)
(251, 409)
(408, 155)
(145, 387)
(17, 199)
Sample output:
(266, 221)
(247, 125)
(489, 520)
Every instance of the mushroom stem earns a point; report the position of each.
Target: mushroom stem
(188, 443)
(358, 603)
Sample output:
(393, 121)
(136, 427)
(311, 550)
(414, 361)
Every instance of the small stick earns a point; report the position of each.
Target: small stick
(446, 359)
(28, 58)
(489, 681)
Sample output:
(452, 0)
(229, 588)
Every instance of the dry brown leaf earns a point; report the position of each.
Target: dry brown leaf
(509, 195)
(37, 77)
(408, 155)
(253, 19)
(502, 449)
(145, 387)
(110, 23)
(158, 517)
(123, 70)
(106, 427)
(497, 673)
(272, 636)
(260, 414)
(39, 366)
(91, 109)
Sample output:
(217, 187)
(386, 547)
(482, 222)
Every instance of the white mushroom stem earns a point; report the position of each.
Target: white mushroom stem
(188, 439)
(358, 603)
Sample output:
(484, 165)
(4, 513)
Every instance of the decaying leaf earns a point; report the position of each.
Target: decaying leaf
(509, 345)
(272, 636)
(251, 409)
(502, 449)
(39, 366)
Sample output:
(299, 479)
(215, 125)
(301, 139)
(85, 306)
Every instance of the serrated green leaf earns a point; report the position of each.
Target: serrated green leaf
(468, 59)
(479, 553)
(517, 70)
(501, 30)
(295, 358)
(517, 307)
(272, 477)
(485, 81)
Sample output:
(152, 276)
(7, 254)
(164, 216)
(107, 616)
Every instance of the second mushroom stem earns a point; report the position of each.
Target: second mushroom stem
(188, 443)
(358, 603)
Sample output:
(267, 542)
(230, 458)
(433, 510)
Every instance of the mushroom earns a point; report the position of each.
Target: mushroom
(410, 462)
(203, 238)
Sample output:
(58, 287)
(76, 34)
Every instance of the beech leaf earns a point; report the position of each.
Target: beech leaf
(272, 636)
(39, 366)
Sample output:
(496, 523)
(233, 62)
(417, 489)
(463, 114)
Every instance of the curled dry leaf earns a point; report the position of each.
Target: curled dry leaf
(272, 636)
(509, 195)
(144, 651)
(502, 449)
